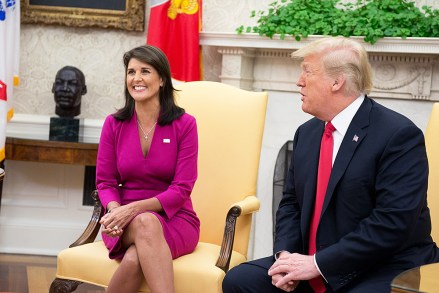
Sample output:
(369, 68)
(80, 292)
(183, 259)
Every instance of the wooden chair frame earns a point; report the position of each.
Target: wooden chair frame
(93, 227)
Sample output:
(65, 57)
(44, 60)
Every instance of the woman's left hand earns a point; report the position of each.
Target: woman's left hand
(114, 222)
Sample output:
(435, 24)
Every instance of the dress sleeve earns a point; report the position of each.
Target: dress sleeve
(107, 176)
(178, 193)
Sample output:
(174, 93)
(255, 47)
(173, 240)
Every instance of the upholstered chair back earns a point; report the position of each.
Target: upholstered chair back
(230, 123)
(432, 144)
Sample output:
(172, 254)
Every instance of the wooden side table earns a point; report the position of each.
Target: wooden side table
(35, 150)
(46, 151)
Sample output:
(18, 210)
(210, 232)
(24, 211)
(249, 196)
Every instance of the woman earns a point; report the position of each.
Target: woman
(146, 169)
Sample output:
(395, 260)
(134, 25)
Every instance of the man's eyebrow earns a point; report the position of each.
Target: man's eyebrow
(304, 65)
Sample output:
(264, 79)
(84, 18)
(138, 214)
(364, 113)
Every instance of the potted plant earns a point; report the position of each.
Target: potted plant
(371, 19)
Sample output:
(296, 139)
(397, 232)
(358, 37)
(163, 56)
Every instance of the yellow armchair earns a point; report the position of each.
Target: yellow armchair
(432, 144)
(230, 127)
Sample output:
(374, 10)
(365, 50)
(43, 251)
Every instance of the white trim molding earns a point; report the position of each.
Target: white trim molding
(403, 68)
(34, 126)
(252, 40)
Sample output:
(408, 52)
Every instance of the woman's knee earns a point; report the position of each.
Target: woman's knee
(147, 225)
(131, 259)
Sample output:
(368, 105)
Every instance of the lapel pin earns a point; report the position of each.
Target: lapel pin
(355, 138)
(166, 140)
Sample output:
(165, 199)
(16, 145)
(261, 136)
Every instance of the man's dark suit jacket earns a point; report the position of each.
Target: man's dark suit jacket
(375, 222)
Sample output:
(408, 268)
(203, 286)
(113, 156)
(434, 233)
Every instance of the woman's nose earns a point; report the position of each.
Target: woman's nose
(138, 76)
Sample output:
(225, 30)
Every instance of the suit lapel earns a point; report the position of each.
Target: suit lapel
(354, 135)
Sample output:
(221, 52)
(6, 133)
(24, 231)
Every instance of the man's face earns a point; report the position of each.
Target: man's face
(315, 86)
(68, 89)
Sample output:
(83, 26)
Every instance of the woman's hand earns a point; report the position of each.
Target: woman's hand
(115, 221)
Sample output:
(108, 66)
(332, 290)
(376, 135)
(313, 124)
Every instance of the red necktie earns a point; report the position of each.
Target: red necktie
(324, 171)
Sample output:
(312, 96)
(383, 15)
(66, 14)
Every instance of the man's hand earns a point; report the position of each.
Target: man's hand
(289, 269)
(288, 287)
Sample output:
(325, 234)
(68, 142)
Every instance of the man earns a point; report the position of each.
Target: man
(68, 88)
(357, 217)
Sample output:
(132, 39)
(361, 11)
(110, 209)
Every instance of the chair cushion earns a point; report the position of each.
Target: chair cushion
(195, 272)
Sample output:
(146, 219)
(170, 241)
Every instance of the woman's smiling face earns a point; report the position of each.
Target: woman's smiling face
(143, 81)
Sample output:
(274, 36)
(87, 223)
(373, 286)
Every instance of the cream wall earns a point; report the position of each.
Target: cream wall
(98, 53)
(42, 208)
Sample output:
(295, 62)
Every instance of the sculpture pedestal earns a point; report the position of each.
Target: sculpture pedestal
(64, 129)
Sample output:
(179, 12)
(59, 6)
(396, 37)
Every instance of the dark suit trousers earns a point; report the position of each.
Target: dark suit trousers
(252, 277)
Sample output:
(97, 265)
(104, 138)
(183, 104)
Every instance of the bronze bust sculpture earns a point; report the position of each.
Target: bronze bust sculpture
(68, 88)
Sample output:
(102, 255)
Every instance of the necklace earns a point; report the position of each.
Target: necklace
(145, 134)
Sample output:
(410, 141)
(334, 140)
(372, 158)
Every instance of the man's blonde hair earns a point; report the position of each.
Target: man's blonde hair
(342, 56)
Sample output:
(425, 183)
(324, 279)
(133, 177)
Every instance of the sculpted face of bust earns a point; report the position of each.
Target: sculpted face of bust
(68, 88)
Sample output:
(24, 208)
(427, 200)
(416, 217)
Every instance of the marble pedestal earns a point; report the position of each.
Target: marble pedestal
(64, 129)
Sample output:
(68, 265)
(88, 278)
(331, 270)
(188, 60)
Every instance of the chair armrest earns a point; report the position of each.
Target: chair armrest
(92, 229)
(249, 205)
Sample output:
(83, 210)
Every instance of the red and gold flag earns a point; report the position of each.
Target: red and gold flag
(174, 27)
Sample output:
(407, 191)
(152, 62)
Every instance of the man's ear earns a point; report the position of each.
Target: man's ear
(338, 83)
(84, 90)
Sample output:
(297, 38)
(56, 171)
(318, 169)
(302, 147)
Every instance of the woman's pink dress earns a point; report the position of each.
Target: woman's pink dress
(168, 172)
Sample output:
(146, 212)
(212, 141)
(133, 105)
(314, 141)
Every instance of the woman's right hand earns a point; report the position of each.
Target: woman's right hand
(112, 230)
(116, 220)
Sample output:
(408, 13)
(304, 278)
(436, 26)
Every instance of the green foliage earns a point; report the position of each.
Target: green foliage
(372, 19)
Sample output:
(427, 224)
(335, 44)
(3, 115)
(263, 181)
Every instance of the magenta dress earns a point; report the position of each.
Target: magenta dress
(168, 172)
